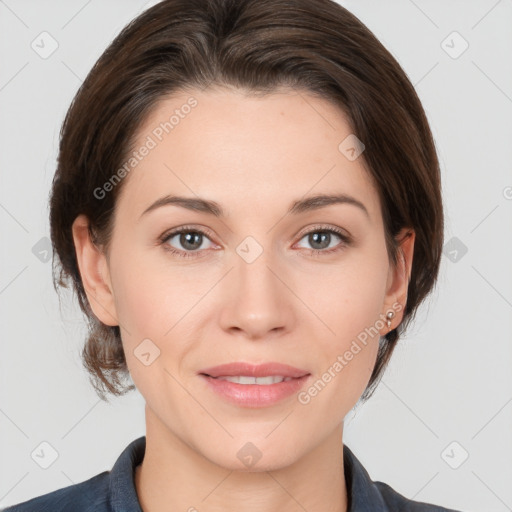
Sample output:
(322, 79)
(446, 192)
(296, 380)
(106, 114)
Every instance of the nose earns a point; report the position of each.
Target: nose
(257, 301)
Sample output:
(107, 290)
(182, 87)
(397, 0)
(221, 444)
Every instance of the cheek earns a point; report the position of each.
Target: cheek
(136, 300)
(349, 303)
(147, 308)
(348, 297)
(150, 295)
(156, 302)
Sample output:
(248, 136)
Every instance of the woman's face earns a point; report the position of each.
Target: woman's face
(262, 280)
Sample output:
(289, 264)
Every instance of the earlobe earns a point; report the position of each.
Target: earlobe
(398, 280)
(92, 264)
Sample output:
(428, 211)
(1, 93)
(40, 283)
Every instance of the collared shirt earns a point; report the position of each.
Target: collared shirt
(114, 491)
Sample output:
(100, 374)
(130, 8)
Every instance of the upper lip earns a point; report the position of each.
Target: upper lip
(254, 370)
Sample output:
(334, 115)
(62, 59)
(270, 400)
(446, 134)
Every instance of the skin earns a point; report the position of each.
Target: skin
(253, 156)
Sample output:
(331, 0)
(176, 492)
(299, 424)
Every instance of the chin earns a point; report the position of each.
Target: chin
(253, 456)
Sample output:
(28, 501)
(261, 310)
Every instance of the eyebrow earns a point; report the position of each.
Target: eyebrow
(299, 206)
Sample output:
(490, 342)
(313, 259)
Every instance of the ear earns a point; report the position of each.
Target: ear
(398, 279)
(93, 267)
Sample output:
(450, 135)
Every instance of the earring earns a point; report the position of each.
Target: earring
(389, 316)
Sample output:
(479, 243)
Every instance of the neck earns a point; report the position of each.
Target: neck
(174, 476)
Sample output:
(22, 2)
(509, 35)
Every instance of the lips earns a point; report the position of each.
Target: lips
(254, 385)
(254, 370)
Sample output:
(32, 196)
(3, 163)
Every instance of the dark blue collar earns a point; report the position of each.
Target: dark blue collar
(363, 494)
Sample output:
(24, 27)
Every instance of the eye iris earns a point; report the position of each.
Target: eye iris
(320, 237)
(190, 238)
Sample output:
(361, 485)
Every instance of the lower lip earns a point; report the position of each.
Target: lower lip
(255, 395)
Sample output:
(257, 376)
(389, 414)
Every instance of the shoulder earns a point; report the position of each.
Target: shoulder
(110, 491)
(364, 494)
(88, 496)
(396, 501)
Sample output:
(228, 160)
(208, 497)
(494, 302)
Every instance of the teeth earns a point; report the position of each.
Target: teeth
(262, 381)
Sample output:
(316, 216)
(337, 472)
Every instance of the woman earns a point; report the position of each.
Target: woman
(248, 206)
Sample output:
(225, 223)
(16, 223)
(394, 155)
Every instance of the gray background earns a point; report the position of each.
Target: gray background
(447, 393)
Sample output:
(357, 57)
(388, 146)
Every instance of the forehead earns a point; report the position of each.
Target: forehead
(239, 148)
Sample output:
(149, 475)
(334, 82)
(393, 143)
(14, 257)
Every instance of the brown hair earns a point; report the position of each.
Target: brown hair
(256, 45)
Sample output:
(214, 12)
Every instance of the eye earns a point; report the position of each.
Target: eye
(185, 241)
(324, 240)
(188, 242)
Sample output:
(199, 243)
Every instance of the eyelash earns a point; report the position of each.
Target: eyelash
(345, 240)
